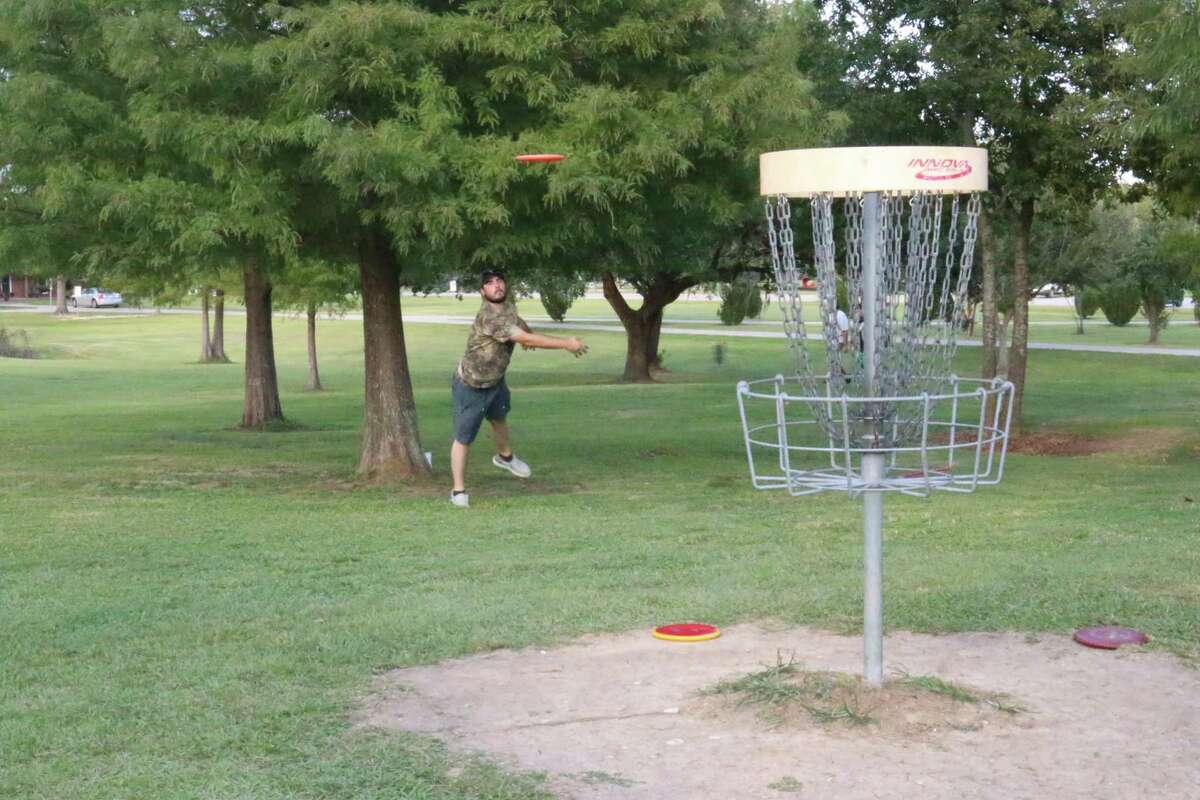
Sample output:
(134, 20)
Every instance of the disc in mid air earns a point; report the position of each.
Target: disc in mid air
(540, 158)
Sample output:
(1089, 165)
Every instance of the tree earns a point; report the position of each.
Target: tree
(1139, 256)
(1156, 114)
(218, 184)
(1179, 248)
(1120, 300)
(413, 114)
(1017, 76)
(313, 285)
(61, 118)
(740, 299)
(686, 117)
(216, 345)
(557, 291)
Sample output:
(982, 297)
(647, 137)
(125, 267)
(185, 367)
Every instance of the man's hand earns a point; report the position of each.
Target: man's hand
(576, 346)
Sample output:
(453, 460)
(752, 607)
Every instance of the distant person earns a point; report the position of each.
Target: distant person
(478, 388)
(843, 328)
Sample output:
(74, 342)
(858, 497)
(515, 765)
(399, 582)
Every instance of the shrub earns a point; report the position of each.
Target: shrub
(1120, 302)
(739, 300)
(15, 344)
(843, 296)
(754, 302)
(557, 295)
(1087, 301)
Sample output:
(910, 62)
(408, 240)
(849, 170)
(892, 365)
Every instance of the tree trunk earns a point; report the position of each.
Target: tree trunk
(1019, 350)
(391, 446)
(216, 350)
(987, 258)
(205, 338)
(60, 295)
(314, 375)
(261, 406)
(643, 325)
(1154, 317)
(1002, 346)
(653, 356)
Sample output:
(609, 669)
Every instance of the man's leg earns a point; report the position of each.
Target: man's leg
(500, 437)
(469, 407)
(458, 464)
(504, 458)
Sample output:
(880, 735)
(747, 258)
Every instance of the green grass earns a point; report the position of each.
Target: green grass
(194, 611)
(825, 696)
(1049, 323)
(935, 685)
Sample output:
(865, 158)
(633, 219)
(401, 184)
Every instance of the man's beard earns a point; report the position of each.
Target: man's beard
(499, 301)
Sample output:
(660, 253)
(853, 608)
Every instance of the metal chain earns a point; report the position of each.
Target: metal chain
(925, 270)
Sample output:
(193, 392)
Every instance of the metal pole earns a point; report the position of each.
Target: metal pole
(872, 463)
(873, 572)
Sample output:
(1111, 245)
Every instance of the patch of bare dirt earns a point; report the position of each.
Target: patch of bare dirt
(1136, 441)
(624, 716)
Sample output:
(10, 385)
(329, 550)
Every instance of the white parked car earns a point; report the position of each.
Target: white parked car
(95, 298)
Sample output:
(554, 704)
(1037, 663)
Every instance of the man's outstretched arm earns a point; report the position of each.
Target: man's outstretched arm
(531, 339)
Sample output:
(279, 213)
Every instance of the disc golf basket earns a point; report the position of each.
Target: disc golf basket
(878, 409)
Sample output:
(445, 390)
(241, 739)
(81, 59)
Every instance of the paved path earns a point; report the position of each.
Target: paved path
(670, 327)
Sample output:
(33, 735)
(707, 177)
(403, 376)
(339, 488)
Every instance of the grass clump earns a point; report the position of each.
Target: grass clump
(935, 685)
(825, 696)
(786, 784)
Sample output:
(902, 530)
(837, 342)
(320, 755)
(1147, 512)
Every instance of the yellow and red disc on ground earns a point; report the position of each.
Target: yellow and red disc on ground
(686, 632)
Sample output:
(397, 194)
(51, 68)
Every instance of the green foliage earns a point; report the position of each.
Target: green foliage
(312, 281)
(1088, 300)
(1120, 302)
(557, 292)
(843, 297)
(1158, 108)
(739, 300)
(62, 131)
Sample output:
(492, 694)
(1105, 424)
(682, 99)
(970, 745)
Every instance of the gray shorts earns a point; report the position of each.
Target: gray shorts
(472, 405)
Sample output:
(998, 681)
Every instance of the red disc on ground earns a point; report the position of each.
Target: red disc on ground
(687, 632)
(540, 158)
(1109, 637)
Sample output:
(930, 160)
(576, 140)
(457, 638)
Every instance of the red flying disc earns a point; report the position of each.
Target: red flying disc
(686, 632)
(540, 158)
(1109, 637)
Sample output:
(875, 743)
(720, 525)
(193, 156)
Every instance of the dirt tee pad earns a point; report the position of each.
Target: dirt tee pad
(621, 716)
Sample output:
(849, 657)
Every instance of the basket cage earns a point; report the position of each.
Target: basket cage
(962, 444)
(883, 382)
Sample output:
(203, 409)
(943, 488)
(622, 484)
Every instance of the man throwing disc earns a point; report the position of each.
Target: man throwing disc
(478, 387)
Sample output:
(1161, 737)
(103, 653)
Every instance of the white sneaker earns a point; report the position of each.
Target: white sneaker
(460, 500)
(514, 465)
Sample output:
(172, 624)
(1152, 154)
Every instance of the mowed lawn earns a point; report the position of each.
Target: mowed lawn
(193, 611)
(1051, 322)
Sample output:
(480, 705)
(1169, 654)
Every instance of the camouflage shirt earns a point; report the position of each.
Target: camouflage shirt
(490, 345)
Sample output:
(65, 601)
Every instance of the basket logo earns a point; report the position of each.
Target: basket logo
(940, 169)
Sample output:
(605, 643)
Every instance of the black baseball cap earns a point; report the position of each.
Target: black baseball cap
(488, 274)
